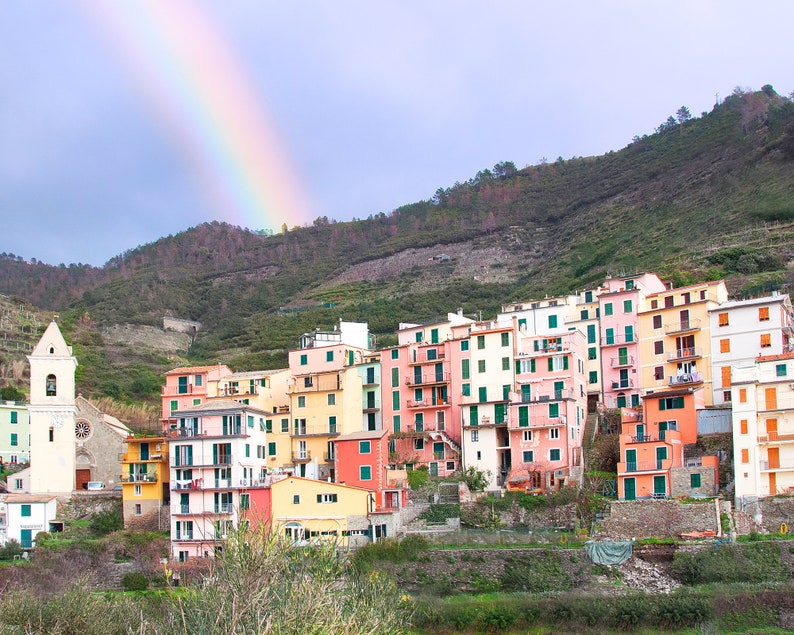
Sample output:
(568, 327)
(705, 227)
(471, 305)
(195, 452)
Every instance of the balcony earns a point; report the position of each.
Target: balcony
(622, 384)
(659, 465)
(315, 431)
(685, 379)
(685, 326)
(622, 362)
(536, 423)
(184, 509)
(684, 353)
(776, 437)
(642, 438)
(427, 359)
(767, 466)
(304, 456)
(183, 433)
(224, 508)
(190, 389)
(425, 403)
(428, 379)
(553, 395)
(314, 383)
(184, 536)
(618, 339)
(139, 478)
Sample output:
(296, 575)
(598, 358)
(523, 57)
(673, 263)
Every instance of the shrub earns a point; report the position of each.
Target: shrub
(497, 617)
(541, 572)
(107, 521)
(10, 549)
(135, 581)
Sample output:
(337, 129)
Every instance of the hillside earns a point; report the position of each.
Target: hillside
(711, 197)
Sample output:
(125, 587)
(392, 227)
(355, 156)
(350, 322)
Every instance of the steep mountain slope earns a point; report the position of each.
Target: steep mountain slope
(711, 197)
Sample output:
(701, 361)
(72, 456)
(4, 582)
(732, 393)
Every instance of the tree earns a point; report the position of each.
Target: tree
(683, 115)
(476, 480)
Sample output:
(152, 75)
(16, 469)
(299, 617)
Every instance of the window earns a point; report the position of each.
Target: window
(657, 321)
(301, 401)
(465, 390)
(481, 342)
(434, 336)
(365, 472)
(780, 370)
(482, 393)
(396, 423)
(610, 336)
(766, 340)
(654, 304)
(51, 386)
(726, 396)
(742, 395)
(658, 373)
(18, 483)
(725, 346)
(552, 321)
(694, 480)
(554, 411)
(669, 302)
(593, 377)
(726, 376)
(326, 498)
(137, 490)
(658, 347)
(745, 455)
(332, 424)
(528, 456)
(480, 365)
(138, 511)
(554, 454)
(395, 400)
(271, 448)
(505, 339)
(296, 499)
(505, 363)
(329, 356)
(14, 416)
(592, 353)
(584, 314)
(25, 510)
(475, 436)
(558, 363)
(419, 444)
(591, 333)
(245, 501)
(608, 308)
(626, 306)
(419, 336)
(331, 399)
(464, 345)
(395, 354)
(364, 447)
(722, 319)
(248, 450)
(285, 425)
(743, 426)
(554, 433)
(763, 313)
(174, 405)
(304, 359)
(465, 372)
(671, 403)
(14, 440)
(526, 436)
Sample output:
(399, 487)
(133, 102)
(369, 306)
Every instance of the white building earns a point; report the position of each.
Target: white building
(23, 516)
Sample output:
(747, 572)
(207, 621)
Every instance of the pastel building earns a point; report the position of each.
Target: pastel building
(24, 516)
(619, 305)
(658, 459)
(189, 386)
(145, 475)
(215, 459)
(675, 349)
(425, 378)
(547, 410)
(14, 432)
(763, 428)
(741, 330)
(585, 317)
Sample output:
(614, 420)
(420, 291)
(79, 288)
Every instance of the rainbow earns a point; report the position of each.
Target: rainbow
(205, 104)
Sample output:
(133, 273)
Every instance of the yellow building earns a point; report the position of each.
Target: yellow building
(675, 338)
(306, 509)
(145, 483)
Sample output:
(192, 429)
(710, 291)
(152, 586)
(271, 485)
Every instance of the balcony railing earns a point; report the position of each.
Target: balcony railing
(183, 433)
(622, 384)
(425, 403)
(780, 465)
(184, 509)
(182, 390)
(682, 327)
(428, 378)
(302, 456)
(315, 431)
(224, 508)
(553, 395)
(316, 383)
(139, 478)
(775, 437)
(618, 338)
(645, 466)
(642, 438)
(684, 379)
(619, 362)
(684, 353)
(536, 422)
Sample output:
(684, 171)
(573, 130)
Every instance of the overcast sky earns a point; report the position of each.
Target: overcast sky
(110, 138)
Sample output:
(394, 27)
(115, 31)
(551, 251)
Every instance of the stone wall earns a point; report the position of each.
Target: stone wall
(154, 516)
(681, 481)
(657, 519)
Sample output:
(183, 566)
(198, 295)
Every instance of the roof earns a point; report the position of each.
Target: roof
(366, 434)
(195, 369)
(254, 374)
(774, 358)
(319, 483)
(29, 498)
(769, 299)
(222, 405)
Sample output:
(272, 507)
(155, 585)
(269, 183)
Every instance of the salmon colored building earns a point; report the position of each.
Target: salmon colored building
(189, 386)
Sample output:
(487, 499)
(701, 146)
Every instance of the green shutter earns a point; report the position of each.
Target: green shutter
(523, 417)
(474, 418)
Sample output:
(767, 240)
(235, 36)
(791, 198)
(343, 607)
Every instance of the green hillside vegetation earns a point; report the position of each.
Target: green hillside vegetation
(701, 198)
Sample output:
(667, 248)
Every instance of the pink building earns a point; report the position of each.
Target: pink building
(548, 410)
(619, 306)
(189, 386)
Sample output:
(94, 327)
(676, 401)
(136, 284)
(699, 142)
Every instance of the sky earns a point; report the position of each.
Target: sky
(125, 121)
